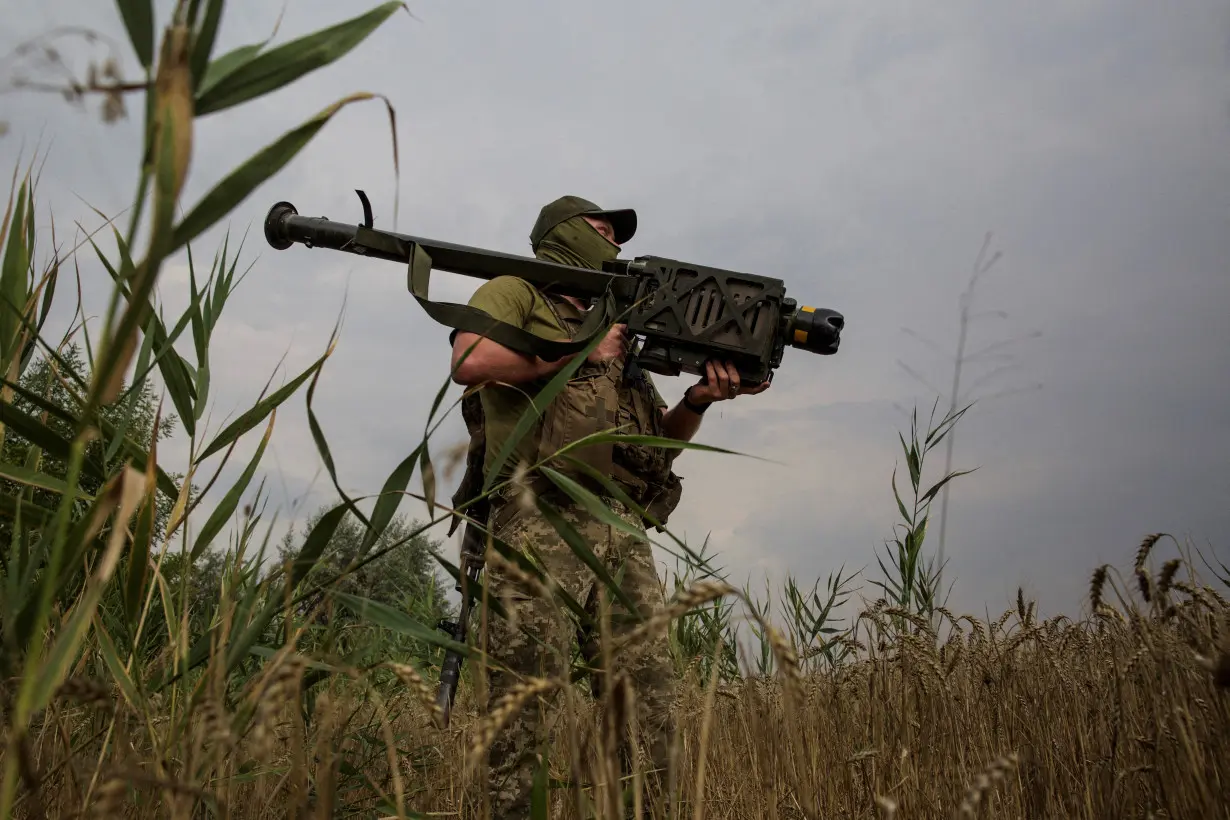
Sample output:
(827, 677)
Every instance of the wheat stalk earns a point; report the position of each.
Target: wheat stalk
(507, 706)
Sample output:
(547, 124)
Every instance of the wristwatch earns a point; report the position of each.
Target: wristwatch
(698, 409)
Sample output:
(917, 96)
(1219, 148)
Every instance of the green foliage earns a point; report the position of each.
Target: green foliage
(54, 381)
(405, 577)
(695, 636)
(103, 574)
(248, 72)
(912, 585)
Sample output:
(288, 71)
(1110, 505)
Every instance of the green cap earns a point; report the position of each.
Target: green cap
(566, 207)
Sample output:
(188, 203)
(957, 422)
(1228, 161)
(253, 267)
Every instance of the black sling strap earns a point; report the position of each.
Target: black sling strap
(472, 320)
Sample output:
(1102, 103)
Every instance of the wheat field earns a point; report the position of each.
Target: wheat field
(1125, 714)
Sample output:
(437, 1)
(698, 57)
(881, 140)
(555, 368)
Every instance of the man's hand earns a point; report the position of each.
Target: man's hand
(722, 384)
(614, 346)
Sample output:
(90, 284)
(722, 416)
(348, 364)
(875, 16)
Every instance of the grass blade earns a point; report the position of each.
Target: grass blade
(389, 618)
(391, 495)
(939, 485)
(322, 445)
(33, 478)
(115, 666)
(224, 66)
(239, 648)
(57, 446)
(138, 556)
(617, 492)
(138, 18)
(250, 74)
(171, 156)
(230, 502)
(172, 366)
(29, 514)
(39, 434)
(592, 504)
(200, 338)
(38, 688)
(203, 43)
(534, 412)
(13, 275)
(578, 546)
(228, 193)
(474, 589)
(314, 545)
(652, 441)
(257, 413)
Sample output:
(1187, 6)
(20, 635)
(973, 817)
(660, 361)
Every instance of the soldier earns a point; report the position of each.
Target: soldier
(602, 394)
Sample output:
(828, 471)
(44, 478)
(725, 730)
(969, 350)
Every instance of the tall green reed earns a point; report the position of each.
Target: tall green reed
(99, 530)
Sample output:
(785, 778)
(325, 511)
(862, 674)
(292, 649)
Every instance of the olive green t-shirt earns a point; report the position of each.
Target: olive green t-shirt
(517, 302)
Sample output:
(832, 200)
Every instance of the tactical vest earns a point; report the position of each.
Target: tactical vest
(596, 399)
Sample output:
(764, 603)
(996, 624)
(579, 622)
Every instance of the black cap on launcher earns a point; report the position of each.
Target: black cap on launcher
(816, 329)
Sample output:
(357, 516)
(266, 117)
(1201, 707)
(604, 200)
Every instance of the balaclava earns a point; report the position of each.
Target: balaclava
(575, 242)
(562, 235)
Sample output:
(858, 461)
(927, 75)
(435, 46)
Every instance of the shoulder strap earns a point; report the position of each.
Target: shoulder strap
(472, 320)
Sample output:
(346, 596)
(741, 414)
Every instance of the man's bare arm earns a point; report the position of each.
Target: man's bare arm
(679, 422)
(722, 384)
(492, 362)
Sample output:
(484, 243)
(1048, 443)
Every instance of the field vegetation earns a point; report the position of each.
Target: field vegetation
(165, 653)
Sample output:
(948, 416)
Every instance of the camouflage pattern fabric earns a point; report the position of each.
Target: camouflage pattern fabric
(598, 396)
(512, 758)
(572, 414)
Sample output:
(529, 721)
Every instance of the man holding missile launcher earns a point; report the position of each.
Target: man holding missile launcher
(605, 392)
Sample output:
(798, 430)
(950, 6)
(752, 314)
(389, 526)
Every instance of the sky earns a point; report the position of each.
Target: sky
(860, 152)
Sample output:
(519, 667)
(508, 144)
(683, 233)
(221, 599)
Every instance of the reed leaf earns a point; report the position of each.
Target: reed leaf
(44, 437)
(257, 413)
(39, 685)
(33, 478)
(248, 73)
(590, 502)
(203, 43)
(577, 544)
(27, 513)
(386, 617)
(230, 502)
(533, 412)
(390, 499)
(175, 371)
(14, 273)
(138, 17)
(245, 179)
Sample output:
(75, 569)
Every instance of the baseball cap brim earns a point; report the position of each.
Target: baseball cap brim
(623, 221)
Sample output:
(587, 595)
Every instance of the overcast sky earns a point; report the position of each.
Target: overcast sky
(858, 151)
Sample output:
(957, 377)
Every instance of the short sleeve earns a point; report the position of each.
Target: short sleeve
(505, 298)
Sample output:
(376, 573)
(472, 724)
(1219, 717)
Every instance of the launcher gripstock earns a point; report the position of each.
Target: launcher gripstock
(686, 313)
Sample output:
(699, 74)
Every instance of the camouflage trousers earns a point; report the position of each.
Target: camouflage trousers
(513, 756)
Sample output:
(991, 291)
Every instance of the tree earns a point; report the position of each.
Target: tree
(406, 577)
(56, 382)
(51, 383)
